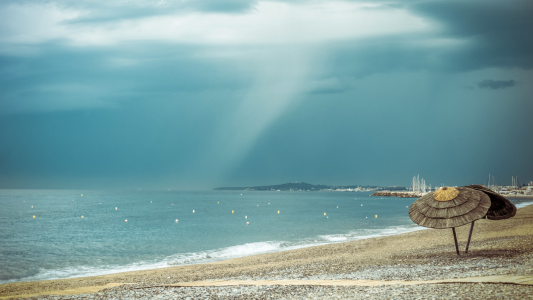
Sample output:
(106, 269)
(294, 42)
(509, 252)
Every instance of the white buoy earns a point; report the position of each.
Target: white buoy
(268, 203)
(247, 223)
(32, 206)
(192, 210)
(361, 204)
(82, 217)
(337, 207)
(116, 208)
(327, 217)
(176, 220)
(172, 203)
(82, 195)
(278, 211)
(246, 217)
(150, 201)
(406, 206)
(366, 217)
(126, 220)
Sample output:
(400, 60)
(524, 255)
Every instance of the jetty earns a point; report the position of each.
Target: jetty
(398, 194)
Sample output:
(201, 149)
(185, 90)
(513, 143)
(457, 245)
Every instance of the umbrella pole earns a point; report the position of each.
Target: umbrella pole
(455, 239)
(469, 236)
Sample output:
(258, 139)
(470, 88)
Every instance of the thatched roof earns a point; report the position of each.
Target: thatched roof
(449, 207)
(500, 207)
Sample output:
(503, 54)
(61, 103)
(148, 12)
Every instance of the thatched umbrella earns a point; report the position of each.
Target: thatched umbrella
(449, 208)
(500, 207)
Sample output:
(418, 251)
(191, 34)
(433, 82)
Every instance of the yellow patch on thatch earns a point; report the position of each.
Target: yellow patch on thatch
(446, 194)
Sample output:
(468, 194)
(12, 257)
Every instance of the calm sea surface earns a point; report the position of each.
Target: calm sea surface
(59, 243)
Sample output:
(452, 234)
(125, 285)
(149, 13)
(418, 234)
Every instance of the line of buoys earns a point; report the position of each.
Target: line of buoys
(34, 216)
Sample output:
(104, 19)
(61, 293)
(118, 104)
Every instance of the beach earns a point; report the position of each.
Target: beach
(498, 248)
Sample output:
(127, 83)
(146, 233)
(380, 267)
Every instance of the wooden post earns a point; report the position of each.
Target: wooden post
(455, 239)
(469, 236)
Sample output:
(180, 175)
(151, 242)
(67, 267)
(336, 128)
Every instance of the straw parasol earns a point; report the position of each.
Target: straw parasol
(500, 207)
(450, 207)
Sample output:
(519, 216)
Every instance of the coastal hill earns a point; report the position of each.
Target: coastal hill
(302, 186)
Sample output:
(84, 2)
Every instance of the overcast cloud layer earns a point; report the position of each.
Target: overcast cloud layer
(199, 94)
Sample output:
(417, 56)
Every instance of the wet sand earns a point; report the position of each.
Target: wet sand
(497, 248)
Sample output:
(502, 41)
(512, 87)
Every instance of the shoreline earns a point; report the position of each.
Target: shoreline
(431, 252)
(126, 269)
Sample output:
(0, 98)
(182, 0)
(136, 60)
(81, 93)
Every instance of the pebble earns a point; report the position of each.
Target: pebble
(436, 269)
(423, 291)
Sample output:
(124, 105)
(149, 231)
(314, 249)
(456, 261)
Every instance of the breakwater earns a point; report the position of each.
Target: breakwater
(398, 194)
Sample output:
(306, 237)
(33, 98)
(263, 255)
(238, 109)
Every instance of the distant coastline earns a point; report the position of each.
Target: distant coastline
(307, 187)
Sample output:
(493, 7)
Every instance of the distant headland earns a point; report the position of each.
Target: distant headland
(307, 187)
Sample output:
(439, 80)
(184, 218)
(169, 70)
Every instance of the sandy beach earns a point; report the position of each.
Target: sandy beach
(498, 248)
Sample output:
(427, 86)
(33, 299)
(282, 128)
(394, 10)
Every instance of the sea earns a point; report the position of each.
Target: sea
(55, 234)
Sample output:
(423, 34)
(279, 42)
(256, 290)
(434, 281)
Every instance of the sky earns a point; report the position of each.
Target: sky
(198, 94)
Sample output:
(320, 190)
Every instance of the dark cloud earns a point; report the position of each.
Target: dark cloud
(62, 77)
(494, 33)
(496, 84)
(474, 36)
